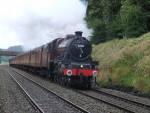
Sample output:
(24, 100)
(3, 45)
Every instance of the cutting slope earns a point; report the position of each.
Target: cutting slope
(125, 62)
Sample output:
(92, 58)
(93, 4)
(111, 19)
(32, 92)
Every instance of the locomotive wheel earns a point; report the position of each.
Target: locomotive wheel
(60, 80)
(55, 78)
(48, 75)
(51, 77)
(68, 82)
(63, 81)
(88, 86)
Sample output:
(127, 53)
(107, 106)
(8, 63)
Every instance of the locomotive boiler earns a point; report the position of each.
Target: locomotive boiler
(66, 61)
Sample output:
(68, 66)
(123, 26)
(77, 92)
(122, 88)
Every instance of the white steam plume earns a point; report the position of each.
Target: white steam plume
(40, 21)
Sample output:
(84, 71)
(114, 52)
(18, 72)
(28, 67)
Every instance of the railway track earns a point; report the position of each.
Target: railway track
(38, 104)
(83, 101)
(117, 101)
(134, 101)
(31, 100)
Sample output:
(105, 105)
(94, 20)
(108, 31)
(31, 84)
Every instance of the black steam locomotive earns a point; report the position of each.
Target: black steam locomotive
(64, 60)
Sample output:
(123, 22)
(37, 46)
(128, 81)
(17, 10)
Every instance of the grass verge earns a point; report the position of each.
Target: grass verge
(125, 62)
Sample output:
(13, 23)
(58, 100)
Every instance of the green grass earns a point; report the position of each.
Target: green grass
(125, 62)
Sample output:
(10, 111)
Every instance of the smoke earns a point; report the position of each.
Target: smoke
(41, 21)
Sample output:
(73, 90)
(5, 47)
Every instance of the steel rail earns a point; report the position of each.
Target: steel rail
(123, 98)
(127, 109)
(80, 92)
(30, 99)
(48, 90)
(107, 102)
(98, 99)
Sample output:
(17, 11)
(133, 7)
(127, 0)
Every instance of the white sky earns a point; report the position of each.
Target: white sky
(35, 22)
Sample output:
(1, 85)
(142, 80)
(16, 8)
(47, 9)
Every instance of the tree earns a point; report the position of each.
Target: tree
(132, 19)
(100, 16)
(112, 19)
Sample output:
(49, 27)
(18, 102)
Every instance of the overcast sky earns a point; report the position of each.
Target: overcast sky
(35, 22)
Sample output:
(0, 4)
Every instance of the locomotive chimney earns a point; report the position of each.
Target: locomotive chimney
(78, 33)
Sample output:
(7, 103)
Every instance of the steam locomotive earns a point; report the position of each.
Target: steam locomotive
(66, 61)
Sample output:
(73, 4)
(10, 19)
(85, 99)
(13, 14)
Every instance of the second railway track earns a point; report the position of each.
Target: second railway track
(45, 100)
(121, 103)
(144, 103)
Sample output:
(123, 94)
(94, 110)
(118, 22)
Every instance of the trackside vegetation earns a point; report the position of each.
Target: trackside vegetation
(125, 62)
(112, 19)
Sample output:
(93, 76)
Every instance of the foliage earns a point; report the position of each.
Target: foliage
(132, 20)
(125, 61)
(117, 18)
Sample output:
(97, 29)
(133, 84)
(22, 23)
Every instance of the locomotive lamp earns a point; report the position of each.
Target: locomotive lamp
(69, 72)
(95, 73)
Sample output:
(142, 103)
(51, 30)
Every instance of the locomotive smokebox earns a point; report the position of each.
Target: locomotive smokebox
(78, 33)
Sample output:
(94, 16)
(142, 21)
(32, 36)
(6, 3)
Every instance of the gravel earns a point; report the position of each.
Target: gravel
(85, 102)
(128, 96)
(12, 100)
(113, 100)
(47, 101)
